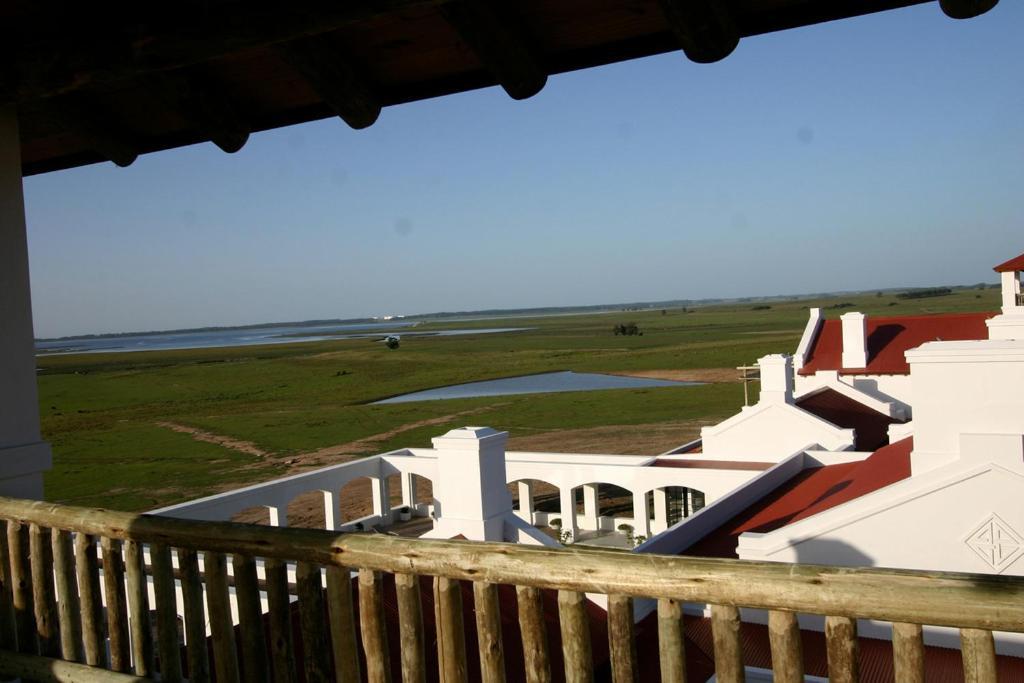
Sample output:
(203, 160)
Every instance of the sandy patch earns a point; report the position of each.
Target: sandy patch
(694, 375)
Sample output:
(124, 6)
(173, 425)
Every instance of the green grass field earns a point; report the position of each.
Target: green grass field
(101, 411)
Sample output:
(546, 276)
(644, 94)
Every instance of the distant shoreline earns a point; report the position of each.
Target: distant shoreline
(496, 313)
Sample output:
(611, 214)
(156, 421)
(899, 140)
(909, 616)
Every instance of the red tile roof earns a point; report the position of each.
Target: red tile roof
(808, 493)
(870, 426)
(1011, 266)
(890, 338)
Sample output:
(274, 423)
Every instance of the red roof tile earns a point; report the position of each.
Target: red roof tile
(1011, 266)
(870, 426)
(890, 338)
(808, 493)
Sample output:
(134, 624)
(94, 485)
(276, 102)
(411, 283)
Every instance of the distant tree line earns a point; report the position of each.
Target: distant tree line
(925, 293)
(628, 330)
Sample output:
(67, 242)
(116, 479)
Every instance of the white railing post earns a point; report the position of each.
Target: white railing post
(278, 515)
(330, 510)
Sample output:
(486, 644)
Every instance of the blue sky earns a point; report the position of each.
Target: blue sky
(883, 151)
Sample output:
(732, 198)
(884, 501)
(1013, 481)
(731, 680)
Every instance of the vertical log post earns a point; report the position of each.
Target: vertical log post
(88, 571)
(117, 608)
(195, 616)
(225, 659)
(315, 645)
(250, 620)
(908, 652)
(138, 610)
(372, 625)
(488, 629)
(44, 598)
(725, 629)
(787, 649)
(21, 586)
(166, 613)
(8, 628)
(841, 643)
(671, 641)
(341, 612)
(67, 594)
(575, 626)
(282, 650)
(621, 642)
(410, 628)
(451, 636)
(979, 654)
(536, 662)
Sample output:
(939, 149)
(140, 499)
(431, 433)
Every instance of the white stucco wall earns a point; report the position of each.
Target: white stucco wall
(964, 387)
(771, 432)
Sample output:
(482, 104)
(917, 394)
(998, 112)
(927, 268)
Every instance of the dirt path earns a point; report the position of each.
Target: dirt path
(247, 447)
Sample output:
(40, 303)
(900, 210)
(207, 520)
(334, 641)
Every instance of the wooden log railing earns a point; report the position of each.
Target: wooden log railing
(50, 593)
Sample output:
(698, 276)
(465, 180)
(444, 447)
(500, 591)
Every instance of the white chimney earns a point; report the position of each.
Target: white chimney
(471, 492)
(855, 340)
(776, 378)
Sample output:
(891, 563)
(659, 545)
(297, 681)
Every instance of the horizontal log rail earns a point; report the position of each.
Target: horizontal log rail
(978, 604)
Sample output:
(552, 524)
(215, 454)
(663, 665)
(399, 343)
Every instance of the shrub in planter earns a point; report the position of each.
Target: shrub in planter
(555, 523)
(625, 528)
(404, 513)
(359, 526)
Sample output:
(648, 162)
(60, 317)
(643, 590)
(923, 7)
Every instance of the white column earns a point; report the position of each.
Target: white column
(409, 490)
(641, 523)
(330, 510)
(278, 515)
(567, 508)
(381, 498)
(24, 456)
(590, 509)
(526, 500)
(660, 511)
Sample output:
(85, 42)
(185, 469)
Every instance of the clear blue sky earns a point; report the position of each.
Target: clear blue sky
(881, 151)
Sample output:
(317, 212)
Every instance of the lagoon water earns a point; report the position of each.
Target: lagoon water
(164, 341)
(546, 383)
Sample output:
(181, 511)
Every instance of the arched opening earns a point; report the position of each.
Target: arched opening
(535, 500)
(680, 502)
(306, 510)
(601, 506)
(355, 500)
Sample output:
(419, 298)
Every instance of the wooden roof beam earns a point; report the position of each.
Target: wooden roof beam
(89, 45)
(501, 44)
(79, 116)
(966, 9)
(203, 104)
(705, 29)
(335, 78)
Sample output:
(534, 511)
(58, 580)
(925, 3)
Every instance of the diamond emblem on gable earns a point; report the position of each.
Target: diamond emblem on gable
(996, 543)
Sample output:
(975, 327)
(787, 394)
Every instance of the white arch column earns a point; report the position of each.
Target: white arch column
(660, 511)
(381, 498)
(567, 508)
(409, 484)
(590, 507)
(24, 456)
(526, 500)
(330, 510)
(641, 523)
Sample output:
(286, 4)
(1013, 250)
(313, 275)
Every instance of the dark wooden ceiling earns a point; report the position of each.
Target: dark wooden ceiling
(109, 81)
